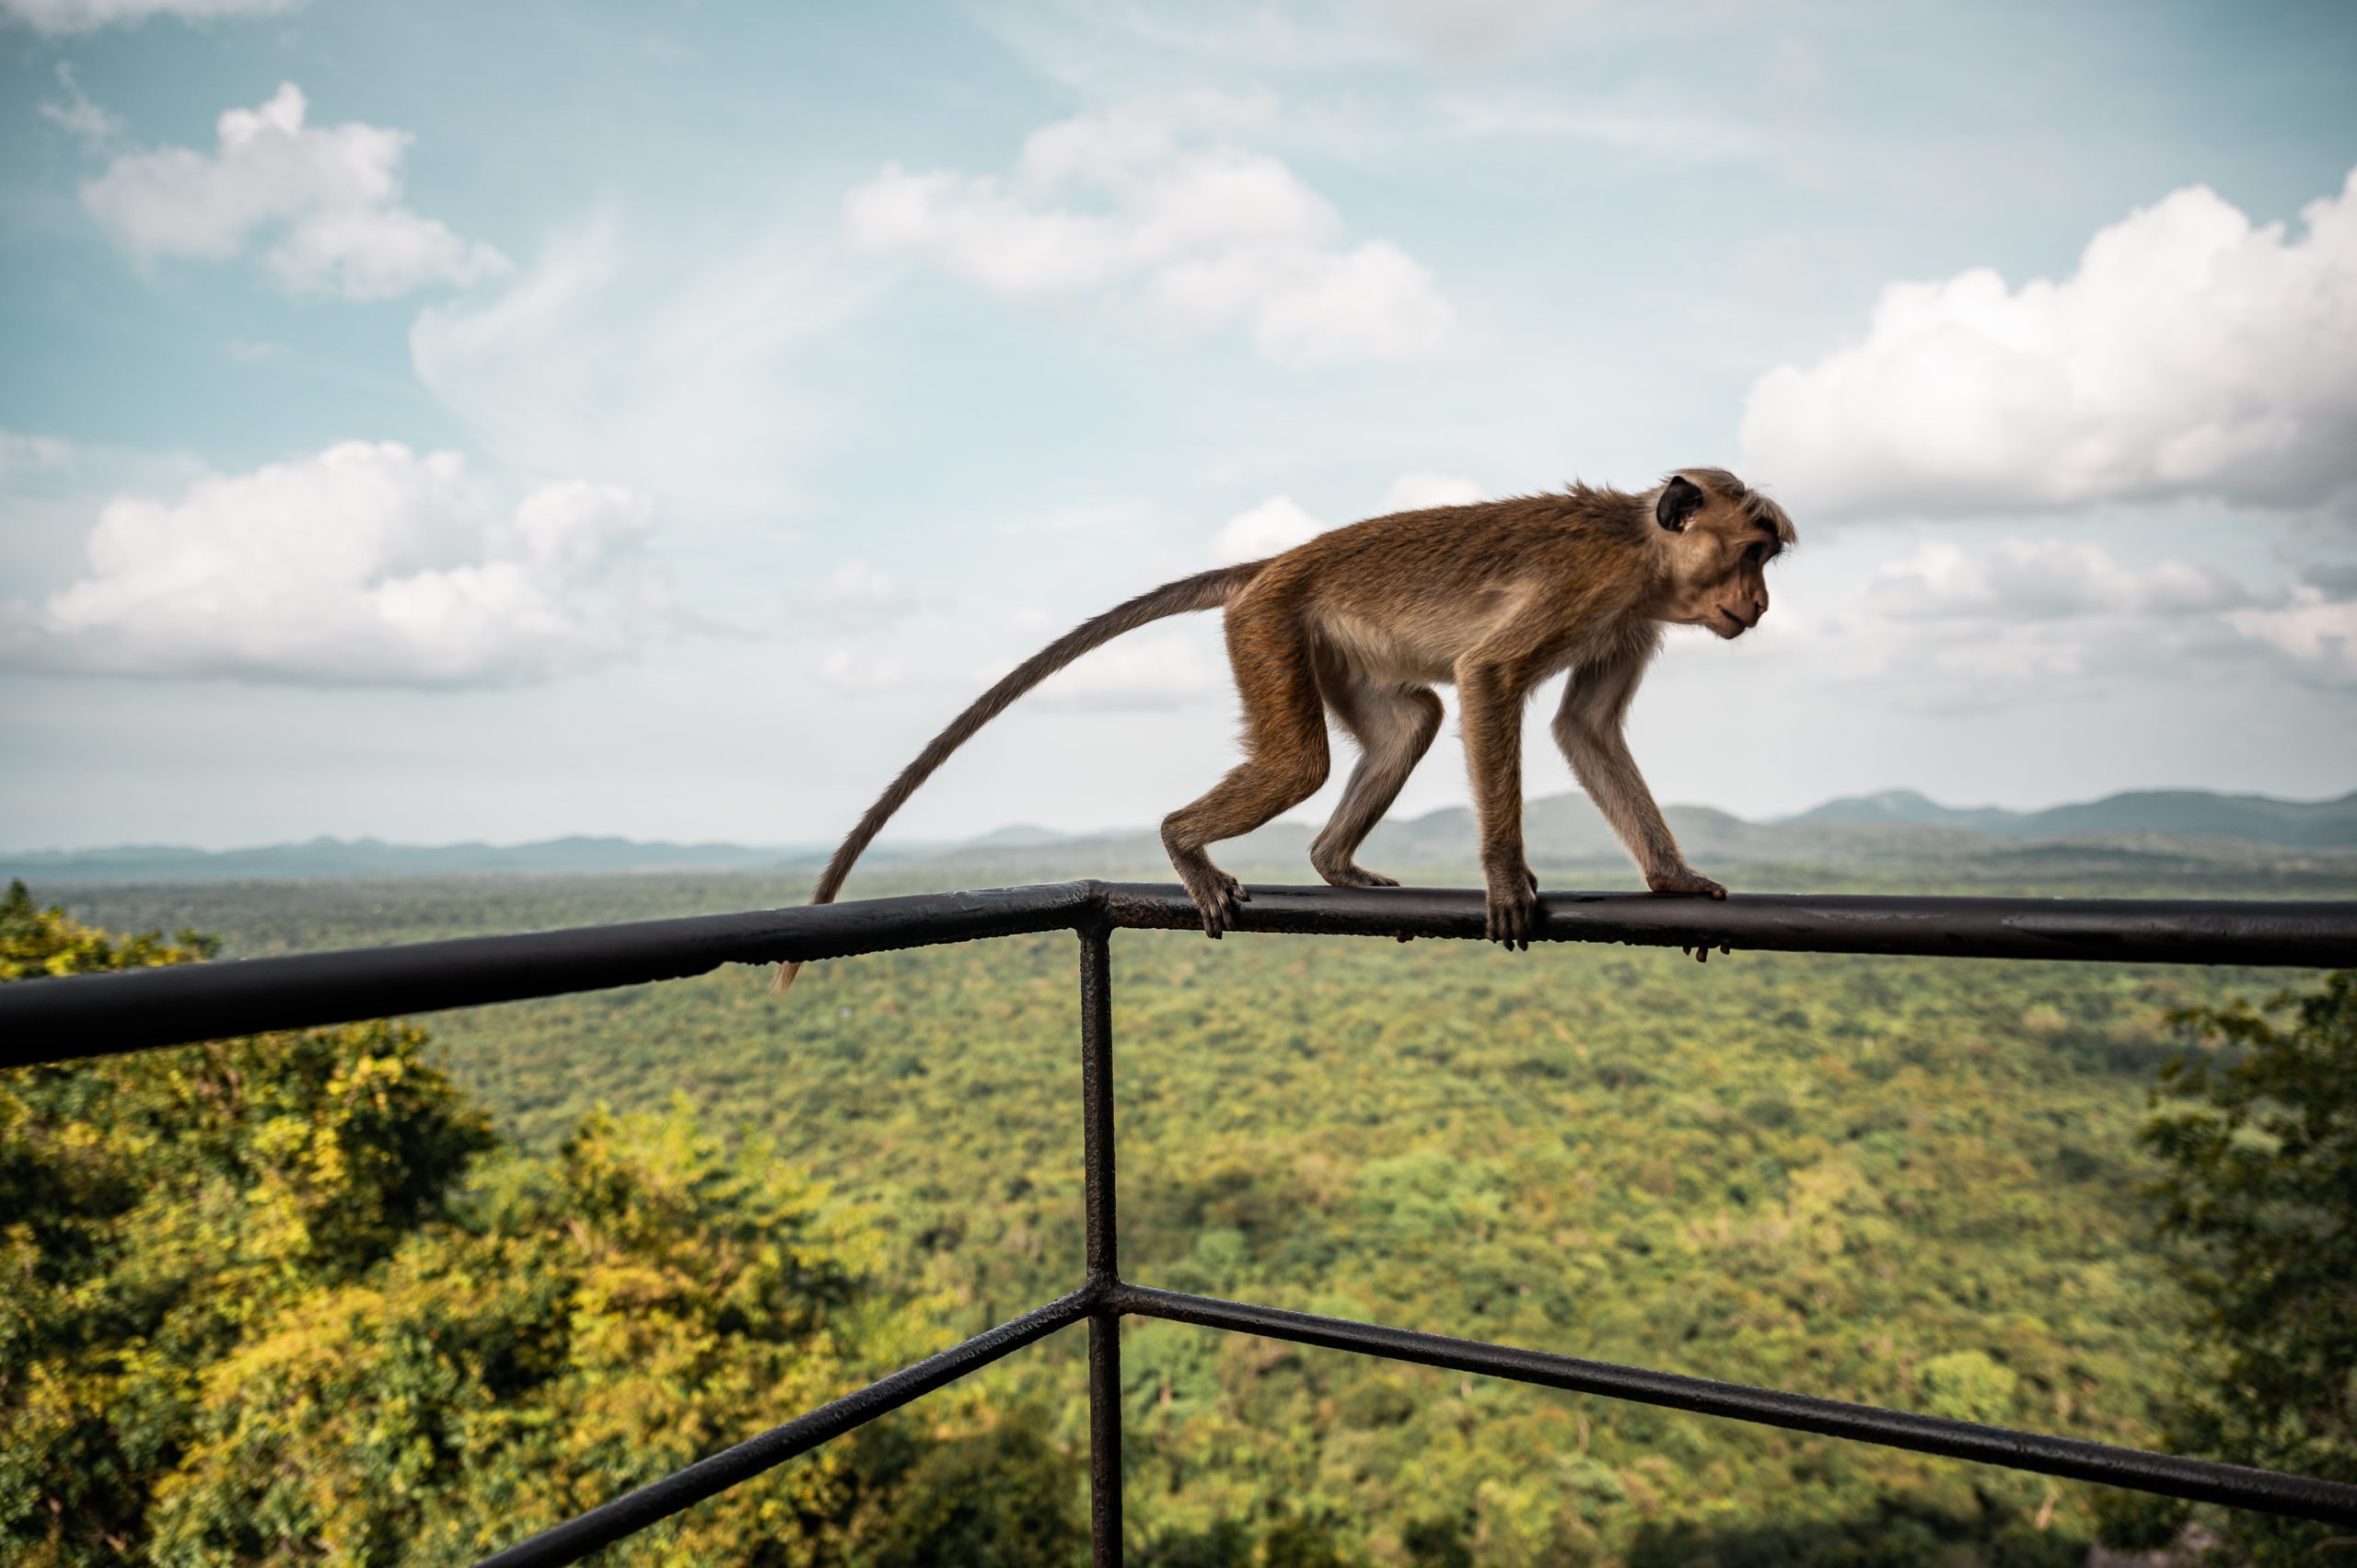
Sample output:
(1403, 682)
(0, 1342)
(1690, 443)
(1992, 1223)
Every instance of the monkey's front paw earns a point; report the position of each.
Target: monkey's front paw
(1217, 902)
(1215, 893)
(1510, 910)
(1684, 879)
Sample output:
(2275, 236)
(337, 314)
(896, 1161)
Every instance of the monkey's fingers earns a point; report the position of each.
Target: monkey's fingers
(1224, 911)
(1684, 880)
(1508, 921)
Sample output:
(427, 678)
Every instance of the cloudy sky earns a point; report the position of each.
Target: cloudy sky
(460, 421)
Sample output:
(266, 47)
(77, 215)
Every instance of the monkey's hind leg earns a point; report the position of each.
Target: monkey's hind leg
(1285, 758)
(1394, 727)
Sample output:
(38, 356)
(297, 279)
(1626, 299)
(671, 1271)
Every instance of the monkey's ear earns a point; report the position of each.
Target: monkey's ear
(1680, 499)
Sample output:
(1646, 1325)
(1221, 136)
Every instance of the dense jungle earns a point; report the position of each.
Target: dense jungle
(400, 1292)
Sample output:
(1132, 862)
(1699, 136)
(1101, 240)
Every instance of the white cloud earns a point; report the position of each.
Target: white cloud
(52, 488)
(2334, 579)
(1416, 490)
(22, 453)
(855, 593)
(2044, 579)
(330, 193)
(2315, 632)
(2022, 622)
(2191, 353)
(1208, 233)
(86, 15)
(77, 114)
(1271, 528)
(1149, 669)
(1964, 663)
(365, 565)
(849, 674)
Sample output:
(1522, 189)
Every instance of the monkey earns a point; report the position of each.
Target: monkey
(1362, 623)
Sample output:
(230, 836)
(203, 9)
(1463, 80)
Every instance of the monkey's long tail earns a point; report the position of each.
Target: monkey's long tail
(1207, 591)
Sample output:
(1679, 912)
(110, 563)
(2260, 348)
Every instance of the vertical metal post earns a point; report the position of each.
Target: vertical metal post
(1104, 1247)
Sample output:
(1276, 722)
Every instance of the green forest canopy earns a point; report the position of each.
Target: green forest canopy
(1920, 1184)
(289, 1299)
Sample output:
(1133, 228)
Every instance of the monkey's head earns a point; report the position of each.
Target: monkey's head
(1716, 537)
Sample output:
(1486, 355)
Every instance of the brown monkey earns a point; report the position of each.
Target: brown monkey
(1362, 622)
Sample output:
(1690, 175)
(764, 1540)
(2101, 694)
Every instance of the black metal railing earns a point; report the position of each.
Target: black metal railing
(63, 1019)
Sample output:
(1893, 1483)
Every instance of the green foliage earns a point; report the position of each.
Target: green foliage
(160, 1208)
(36, 941)
(285, 1300)
(1894, 1535)
(1916, 1183)
(991, 1492)
(2258, 1134)
(589, 1324)
(1967, 1385)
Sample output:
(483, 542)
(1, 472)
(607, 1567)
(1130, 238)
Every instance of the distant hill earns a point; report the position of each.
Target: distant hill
(1019, 835)
(1895, 827)
(1565, 831)
(1906, 805)
(374, 857)
(2189, 813)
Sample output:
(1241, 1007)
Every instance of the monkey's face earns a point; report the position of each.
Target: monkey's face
(1731, 581)
(1717, 548)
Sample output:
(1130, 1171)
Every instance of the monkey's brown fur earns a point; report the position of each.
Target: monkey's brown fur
(1362, 622)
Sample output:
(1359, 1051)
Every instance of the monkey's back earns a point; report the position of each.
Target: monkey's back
(1404, 596)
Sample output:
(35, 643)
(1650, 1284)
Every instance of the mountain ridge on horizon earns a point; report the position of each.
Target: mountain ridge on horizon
(2261, 818)
(1881, 824)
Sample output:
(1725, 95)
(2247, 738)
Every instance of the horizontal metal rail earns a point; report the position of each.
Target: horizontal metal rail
(80, 1016)
(99, 1015)
(2203, 1481)
(2290, 932)
(633, 1511)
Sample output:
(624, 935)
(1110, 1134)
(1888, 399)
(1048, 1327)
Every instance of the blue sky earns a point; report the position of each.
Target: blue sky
(457, 421)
